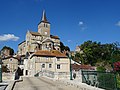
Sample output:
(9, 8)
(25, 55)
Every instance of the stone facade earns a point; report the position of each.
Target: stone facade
(49, 63)
(42, 53)
(11, 63)
(41, 40)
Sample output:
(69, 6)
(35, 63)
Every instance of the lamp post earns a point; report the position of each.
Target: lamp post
(0, 70)
(69, 56)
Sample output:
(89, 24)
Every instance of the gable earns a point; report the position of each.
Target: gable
(47, 40)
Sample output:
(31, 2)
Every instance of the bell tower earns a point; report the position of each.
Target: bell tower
(44, 25)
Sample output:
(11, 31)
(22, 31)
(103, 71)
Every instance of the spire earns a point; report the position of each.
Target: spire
(44, 19)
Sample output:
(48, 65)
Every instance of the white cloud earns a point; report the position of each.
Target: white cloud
(118, 23)
(69, 40)
(82, 25)
(8, 37)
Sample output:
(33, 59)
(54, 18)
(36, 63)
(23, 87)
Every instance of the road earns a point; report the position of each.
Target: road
(40, 83)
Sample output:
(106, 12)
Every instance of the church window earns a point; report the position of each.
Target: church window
(50, 45)
(46, 45)
(10, 59)
(44, 25)
(21, 49)
(39, 47)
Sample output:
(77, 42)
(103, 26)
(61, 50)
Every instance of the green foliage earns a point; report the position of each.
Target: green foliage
(101, 68)
(106, 81)
(118, 81)
(62, 47)
(94, 52)
(9, 48)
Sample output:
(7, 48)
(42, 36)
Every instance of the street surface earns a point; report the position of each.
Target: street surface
(40, 83)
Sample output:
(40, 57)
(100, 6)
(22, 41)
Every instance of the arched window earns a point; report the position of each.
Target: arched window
(46, 45)
(44, 25)
(50, 45)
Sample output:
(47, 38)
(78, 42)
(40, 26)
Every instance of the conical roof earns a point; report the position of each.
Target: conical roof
(44, 18)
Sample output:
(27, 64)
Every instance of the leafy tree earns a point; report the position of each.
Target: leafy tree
(64, 48)
(94, 52)
(67, 48)
(91, 51)
(9, 48)
(101, 68)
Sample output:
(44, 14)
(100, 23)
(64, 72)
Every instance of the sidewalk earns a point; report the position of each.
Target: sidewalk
(80, 85)
(11, 84)
(75, 83)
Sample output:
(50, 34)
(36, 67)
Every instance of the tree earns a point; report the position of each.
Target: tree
(9, 48)
(64, 48)
(101, 68)
(91, 51)
(94, 52)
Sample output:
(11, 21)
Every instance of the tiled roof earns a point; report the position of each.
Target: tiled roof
(35, 33)
(10, 57)
(44, 53)
(53, 53)
(58, 53)
(55, 37)
(78, 67)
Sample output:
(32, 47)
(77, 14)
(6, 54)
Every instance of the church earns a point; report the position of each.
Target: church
(41, 54)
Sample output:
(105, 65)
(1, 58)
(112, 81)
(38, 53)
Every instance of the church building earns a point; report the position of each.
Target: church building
(42, 53)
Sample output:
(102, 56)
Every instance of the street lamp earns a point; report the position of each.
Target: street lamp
(69, 56)
(0, 70)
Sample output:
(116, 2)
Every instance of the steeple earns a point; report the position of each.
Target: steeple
(44, 19)
(44, 25)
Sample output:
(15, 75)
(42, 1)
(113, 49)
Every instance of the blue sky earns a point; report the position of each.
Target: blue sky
(74, 21)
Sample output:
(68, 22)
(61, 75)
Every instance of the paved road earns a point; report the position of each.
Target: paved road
(40, 83)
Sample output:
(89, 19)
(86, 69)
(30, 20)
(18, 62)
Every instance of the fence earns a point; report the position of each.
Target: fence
(105, 80)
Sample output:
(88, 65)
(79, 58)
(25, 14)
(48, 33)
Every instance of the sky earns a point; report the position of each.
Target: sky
(74, 21)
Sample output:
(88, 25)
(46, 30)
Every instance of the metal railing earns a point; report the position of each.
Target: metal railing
(99, 79)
